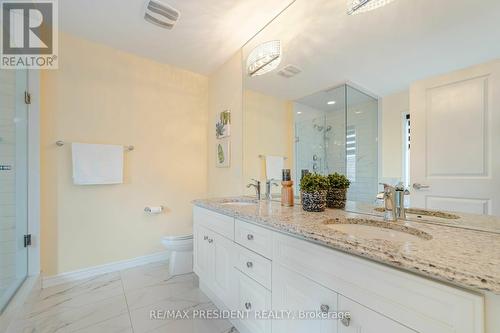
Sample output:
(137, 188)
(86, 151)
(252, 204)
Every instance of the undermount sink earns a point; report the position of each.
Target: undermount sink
(239, 203)
(373, 229)
(425, 212)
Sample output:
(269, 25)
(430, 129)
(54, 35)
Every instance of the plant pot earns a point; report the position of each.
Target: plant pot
(336, 198)
(314, 201)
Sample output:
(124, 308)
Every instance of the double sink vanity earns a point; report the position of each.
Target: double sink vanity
(391, 277)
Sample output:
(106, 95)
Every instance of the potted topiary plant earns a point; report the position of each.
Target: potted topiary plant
(337, 190)
(313, 188)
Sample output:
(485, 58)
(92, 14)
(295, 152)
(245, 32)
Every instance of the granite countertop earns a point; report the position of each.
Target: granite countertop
(487, 223)
(463, 257)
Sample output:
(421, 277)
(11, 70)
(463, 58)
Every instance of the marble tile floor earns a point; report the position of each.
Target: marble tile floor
(119, 302)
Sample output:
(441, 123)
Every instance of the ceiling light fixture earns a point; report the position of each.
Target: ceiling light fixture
(361, 6)
(264, 58)
(331, 102)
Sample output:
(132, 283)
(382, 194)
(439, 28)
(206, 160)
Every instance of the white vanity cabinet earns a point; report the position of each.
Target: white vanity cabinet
(214, 258)
(243, 266)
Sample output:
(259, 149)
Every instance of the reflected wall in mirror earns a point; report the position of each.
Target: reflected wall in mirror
(404, 93)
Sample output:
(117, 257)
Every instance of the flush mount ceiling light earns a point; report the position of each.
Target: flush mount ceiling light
(161, 14)
(264, 58)
(361, 6)
(331, 102)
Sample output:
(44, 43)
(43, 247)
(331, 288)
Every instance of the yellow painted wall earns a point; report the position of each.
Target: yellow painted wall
(225, 92)
(268, 130)
(102, 95)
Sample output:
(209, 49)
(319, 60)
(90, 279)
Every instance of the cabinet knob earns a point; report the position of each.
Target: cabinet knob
(249, 264)
(346, 321)
(250, 237)
(324, 308)
(248, 305)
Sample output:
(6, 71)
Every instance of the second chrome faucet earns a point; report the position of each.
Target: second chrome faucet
(394, 201)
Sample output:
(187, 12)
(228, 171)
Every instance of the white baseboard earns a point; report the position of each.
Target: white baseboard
(49, 281)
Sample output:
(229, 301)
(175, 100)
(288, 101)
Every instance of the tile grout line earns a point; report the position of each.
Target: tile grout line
(126, 302)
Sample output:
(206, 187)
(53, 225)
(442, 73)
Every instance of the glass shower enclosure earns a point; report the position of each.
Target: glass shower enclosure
(13, 182)
(337, 131)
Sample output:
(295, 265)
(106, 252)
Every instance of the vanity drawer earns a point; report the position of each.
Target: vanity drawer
(254, 238)
(221, 224)
(254, 265)
(253, 297)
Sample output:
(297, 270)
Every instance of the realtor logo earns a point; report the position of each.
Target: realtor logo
(29, 34)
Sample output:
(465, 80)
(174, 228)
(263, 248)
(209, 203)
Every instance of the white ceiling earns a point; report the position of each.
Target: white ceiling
(382, 51)
(207, 34)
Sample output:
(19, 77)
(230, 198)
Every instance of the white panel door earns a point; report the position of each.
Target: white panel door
(297, 294)
(455, 162)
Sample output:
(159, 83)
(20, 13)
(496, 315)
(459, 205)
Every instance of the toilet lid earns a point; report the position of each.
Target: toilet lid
(178, 237)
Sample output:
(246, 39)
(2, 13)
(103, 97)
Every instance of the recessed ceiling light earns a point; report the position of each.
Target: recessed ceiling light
(299, 112)
(331, 102)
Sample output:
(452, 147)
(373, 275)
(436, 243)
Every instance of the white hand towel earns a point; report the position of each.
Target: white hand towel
(274, 167)
(97, 164)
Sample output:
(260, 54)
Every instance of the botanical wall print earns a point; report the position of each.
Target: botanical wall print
(222, 154)
(223, 125)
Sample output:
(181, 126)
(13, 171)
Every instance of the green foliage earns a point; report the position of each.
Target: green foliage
(338, 180)
(313, 182)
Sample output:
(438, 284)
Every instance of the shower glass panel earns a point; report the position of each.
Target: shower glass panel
(336, 131)
(13, 183)
(362, 145)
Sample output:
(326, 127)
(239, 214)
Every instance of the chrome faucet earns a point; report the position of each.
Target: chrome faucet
(401, 192)
(389, 197)
(256, 185)
(394, 201)
(269, 183)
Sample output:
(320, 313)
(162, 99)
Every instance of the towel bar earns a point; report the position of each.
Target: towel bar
(61, 143)
(264, 156)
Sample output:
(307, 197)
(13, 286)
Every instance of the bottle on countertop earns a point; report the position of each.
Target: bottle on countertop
(286, 189)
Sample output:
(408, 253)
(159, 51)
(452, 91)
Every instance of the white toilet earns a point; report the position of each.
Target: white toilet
(181, 253)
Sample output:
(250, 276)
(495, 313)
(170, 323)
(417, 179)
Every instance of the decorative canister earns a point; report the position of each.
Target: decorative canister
(336, 198)
(314, 201)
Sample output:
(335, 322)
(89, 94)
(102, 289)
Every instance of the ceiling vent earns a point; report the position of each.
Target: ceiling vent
(289, 71)
(161, 14)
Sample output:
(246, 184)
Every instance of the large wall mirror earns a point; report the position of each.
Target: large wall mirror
(403, 93)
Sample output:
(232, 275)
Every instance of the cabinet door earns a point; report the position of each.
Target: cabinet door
(255, 299)
(364, 320)
(224, 281)
(203, 254)
(299, 295)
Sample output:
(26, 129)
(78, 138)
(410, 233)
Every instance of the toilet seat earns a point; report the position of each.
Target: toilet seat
(177, 237)
(178, 243)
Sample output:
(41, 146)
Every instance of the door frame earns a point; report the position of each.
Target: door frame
(34, 172)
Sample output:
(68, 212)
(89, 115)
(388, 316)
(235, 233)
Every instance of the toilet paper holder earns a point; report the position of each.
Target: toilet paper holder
(154, 209)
